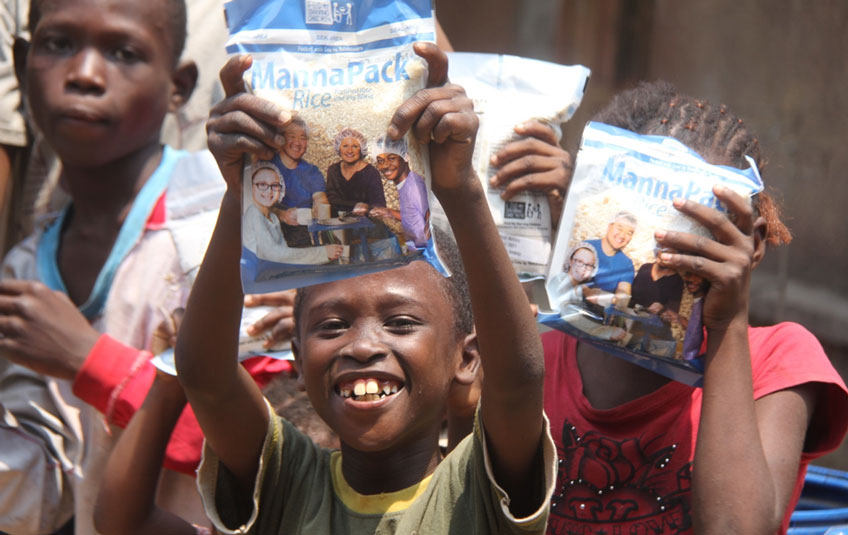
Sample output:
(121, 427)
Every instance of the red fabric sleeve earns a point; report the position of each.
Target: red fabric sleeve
(115, 379)
(263, 369)
(788, 355)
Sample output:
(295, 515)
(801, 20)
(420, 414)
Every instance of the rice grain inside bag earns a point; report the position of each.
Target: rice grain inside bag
(604, 282)
(329, 205)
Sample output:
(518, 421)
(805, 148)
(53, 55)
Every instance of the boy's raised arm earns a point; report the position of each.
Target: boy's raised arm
(511, 403)
(228, 404)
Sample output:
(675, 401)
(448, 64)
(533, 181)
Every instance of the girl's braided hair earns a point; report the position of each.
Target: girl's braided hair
(712, 131)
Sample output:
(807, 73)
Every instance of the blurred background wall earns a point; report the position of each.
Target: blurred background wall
(780, 64)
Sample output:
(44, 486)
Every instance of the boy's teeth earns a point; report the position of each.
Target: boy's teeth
(371, 387)
(368, 389)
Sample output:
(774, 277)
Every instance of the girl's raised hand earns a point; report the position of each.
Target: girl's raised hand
(534, 163)
(444, 115)
(725, 261)
(242, 124)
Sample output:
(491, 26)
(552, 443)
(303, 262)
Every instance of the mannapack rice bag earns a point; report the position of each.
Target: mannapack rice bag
(507, 91)
(340, 199)
(604, 284)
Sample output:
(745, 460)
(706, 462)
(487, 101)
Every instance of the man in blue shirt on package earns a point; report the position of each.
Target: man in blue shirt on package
(615, 269)
(305, 185)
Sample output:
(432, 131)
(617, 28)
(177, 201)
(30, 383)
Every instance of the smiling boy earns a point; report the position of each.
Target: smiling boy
(378, 357)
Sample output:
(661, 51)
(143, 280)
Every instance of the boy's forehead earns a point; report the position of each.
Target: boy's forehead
(149, 14)
(416, 281)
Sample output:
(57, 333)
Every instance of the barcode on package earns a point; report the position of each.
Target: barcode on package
(522, 210)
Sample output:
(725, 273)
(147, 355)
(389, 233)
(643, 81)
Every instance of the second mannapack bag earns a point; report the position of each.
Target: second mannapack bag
(605, 285)
(507, 91)
(340, 199)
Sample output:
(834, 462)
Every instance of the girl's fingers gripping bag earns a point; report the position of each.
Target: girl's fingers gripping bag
(508, 91)
(604, 282)
(340, 198)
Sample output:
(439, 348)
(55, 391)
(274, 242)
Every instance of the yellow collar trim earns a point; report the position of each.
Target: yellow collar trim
(373, 504)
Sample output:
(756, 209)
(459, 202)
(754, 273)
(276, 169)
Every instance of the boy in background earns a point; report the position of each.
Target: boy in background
(377, 357)
(100, 76)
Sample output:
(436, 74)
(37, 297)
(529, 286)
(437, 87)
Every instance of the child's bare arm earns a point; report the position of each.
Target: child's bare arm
(226, 401)
(126, 501)
(745, 447)
(511, 406)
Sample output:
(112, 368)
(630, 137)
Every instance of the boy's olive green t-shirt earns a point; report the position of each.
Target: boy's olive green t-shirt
(300, 489)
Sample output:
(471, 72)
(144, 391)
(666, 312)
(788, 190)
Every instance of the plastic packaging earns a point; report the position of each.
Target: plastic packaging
(604, 283)
(248, 346)
(329, 205)
(507, 91)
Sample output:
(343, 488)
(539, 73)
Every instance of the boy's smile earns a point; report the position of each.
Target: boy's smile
(98, 77)
(368, 390)
(378, 354)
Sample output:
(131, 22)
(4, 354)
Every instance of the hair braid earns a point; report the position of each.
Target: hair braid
(656, 108)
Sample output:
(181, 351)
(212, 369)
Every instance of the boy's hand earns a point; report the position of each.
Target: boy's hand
(535, 163)
(725, 261)
(280, 321)
(42, 329)
(242, 124)
(442, 114)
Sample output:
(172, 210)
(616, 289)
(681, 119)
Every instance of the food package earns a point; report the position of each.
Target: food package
(248, 345)
(604, 282)
(507, 91)
(340, 199)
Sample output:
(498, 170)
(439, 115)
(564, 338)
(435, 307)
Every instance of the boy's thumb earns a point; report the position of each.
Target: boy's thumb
(232, 73)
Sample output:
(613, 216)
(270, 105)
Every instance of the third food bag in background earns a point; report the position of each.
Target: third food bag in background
(508, 91)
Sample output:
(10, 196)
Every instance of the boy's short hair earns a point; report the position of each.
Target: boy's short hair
(454, 288)
(175, 18)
